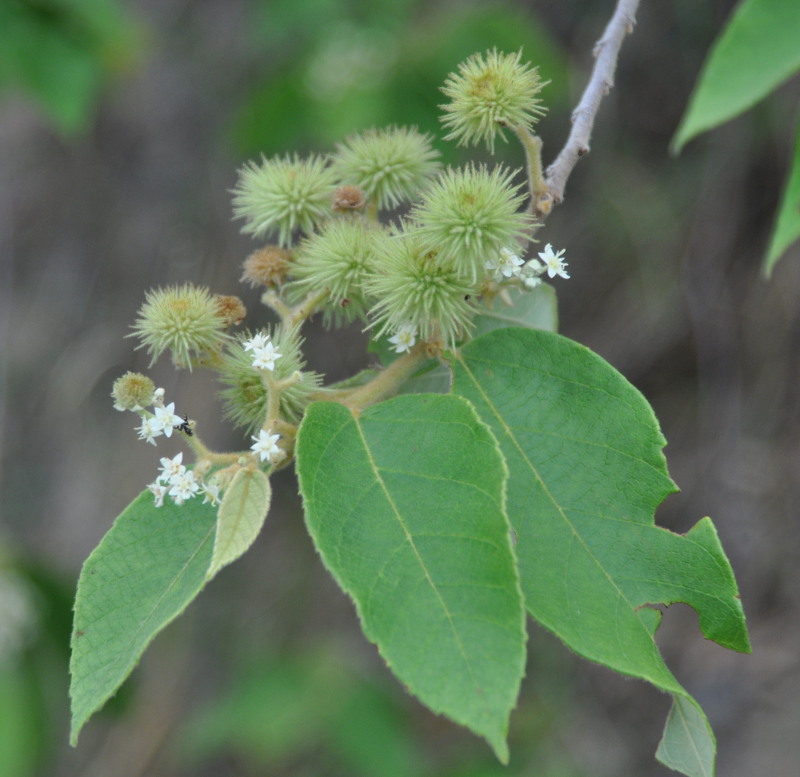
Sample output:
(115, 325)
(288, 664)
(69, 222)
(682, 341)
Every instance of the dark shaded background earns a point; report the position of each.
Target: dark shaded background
(665, 261)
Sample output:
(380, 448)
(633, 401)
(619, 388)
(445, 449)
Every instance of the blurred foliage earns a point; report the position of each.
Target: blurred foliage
(283, 713)
(758, 50)
(60, 52)
(35, 625)
(378, 63)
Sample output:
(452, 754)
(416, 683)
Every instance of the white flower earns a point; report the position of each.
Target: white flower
(149, 430)
(158, 397)
(509, 262)
(553, 261)
(171, 468)
(211, 492)
(159, 492)
(264, 357)
(256, 343)
(531, 282)
(165, 417)
(183, 486)
(404, 339)
(265, 446)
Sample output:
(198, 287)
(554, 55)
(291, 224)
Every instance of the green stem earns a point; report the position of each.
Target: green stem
(390, 379)
(541, 199)
(276, 304)
(302, 311)
(215, 459)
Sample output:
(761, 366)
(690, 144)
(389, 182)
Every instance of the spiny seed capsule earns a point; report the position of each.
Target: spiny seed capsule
(490, 92)
(182, 319)
(284, 195)
(389, 165)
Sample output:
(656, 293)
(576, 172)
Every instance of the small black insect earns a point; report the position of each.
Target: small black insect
(184, 427)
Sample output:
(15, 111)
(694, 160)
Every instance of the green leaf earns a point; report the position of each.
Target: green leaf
(434, 378)
(787, 226)
(404, 502)
(145, 571)
(586, 473)
(537, 309)
(756, 52)
(688, 744)
(241, 516)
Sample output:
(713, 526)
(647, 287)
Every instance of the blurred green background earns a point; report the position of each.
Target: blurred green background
(122, 125)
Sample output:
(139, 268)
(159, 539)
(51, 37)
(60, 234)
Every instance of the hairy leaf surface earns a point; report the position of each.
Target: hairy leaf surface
(586, 473)
(145, 571)
(537, 309)
(405, 504)
(241, 516)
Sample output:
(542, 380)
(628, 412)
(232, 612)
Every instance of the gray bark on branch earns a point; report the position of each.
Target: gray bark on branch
(606, 52)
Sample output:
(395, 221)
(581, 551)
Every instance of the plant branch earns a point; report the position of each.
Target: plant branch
(606, 52)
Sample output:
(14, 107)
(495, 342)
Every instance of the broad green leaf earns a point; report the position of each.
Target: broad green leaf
(537, 309)
(434, 378)
(241, 516)
(688, 743)
(787, 226)
(145, 571)
(404, 502)
(757, 51)
(586, 473)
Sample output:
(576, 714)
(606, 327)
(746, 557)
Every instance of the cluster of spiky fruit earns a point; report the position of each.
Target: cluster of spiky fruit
(376, 231)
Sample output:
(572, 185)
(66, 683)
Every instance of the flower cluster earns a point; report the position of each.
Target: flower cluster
(245, 392)
(507, 265)
(263, 351)
(265, 445)
(180, 483)
(135, 392)
(424, 277)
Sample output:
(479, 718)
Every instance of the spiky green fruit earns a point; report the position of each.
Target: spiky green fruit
(467, 215)
(418, 288)
(340, 258)
(490, 92)
(389, 165)
(284, 195)
(184, 320)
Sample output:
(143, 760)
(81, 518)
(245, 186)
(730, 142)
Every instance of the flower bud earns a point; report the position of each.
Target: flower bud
(489, 93)
(133, 391)
(266, 267)
(231, 309)
(348, 198)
